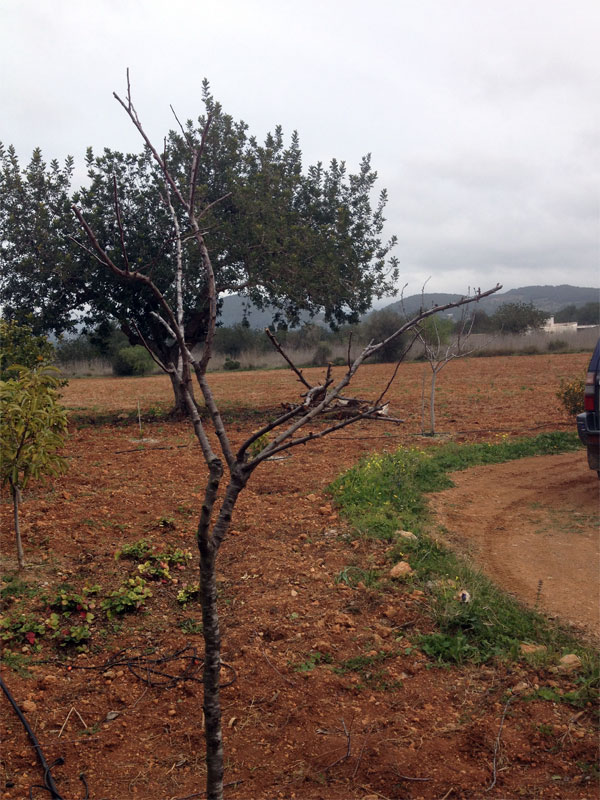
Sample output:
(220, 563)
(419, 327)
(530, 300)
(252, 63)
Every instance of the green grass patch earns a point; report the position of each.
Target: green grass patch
(353, 575)
(15, 588)
(371, 670)
(17, 662)
(387, 492)
(314, 659)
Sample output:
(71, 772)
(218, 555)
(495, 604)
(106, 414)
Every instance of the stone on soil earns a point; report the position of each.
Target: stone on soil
(400, 570)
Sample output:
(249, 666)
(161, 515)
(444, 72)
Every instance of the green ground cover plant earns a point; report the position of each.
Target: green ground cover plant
(385, 493)
(130, 596)
(313, 659)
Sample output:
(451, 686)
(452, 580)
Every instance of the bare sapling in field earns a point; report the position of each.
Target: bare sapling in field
(226, 463)
(441, 345)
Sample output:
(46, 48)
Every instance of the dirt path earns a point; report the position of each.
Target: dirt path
(531, 521)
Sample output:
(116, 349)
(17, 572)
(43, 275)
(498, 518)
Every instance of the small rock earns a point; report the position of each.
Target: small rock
(400, 570)
(110, 673)
(569, 663)
(28, 706)
(529, 649)
(112, 715)
(171, 712)
(294, 593)
(406, 535)
(519, 688)
(383, 631)
(343, 619)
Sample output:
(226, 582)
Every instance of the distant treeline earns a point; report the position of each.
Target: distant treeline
(316, 344)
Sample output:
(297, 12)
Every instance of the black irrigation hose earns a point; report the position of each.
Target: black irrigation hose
(142, 668)
(145, 669)
(49, 785)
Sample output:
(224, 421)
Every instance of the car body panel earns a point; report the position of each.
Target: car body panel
(588, 422)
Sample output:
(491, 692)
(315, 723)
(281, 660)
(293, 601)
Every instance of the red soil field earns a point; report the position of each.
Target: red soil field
(297, 724)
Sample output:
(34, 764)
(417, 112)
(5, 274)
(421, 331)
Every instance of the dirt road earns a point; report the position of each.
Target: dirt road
(532, 526)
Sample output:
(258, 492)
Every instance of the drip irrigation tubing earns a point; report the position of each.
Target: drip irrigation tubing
(49, 784)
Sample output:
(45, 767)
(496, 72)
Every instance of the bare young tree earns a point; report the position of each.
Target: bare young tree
(442, 345)
(225, 463)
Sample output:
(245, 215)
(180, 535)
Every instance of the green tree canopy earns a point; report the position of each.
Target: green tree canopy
(588, 314)
(518, 317)
(302, 240)
(40, 285)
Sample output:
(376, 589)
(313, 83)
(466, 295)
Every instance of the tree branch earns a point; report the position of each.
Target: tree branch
(424, 314)
(216, 417)
(311, 436)
(280, 349)
(153, 355)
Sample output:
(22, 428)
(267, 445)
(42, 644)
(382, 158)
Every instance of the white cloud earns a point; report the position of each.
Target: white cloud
(481, 117)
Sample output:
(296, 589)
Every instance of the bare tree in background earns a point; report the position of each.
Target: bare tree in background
(225, 463)
(442, 345)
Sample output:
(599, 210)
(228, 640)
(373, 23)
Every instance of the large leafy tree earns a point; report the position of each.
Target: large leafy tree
(40, 286)
(302, 240)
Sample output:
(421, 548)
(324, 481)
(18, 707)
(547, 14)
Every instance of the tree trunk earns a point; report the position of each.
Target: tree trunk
(212, 675)
(180, 409)
(423, 403)
(432, 403)
(208, 545)
(16, 496)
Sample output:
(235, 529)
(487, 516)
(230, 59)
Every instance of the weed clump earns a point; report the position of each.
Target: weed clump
(570, 393)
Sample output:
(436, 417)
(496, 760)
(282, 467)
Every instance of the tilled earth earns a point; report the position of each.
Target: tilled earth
(331, 696)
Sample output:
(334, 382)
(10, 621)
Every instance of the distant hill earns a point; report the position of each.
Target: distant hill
(235, 308)
(546, 298)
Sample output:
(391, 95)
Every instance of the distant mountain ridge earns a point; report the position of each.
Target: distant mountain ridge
(546, 298)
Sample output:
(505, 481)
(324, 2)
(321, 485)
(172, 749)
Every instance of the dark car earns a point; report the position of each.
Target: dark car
(588, 423)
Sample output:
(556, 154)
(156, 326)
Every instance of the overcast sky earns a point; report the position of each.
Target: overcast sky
(482, 116)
